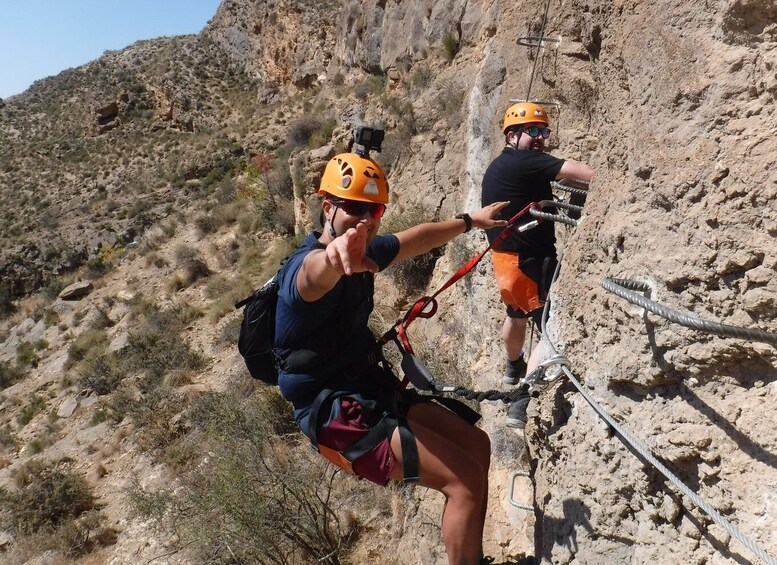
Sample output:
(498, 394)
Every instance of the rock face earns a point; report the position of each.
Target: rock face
(672, 104)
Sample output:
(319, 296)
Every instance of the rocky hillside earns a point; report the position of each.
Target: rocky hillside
(174, 174)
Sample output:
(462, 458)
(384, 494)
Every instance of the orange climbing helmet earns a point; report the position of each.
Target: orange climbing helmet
(524, 113)
(353, 177)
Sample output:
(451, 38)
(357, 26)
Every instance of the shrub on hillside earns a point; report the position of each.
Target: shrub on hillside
(205, 224)
(26, 356)
(156, 354)
(47, 496)
(412, 275)
(9, 374)
(153, 414)
(154, 348)
(310, 131)
(36, 404)
(53, 289)
(253, 499)
(189, 260)
(53, 509)
(7, 437)
(90, 342)
(422, 77)
(102, 374)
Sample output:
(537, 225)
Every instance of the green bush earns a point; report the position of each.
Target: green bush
(376, 84)
(450, 45)
(411, 275)
(91, 342)
(206, 223)
(253, 499)
(152, 413)
(50, 317)
(102, 374)
(53, 289)
(157, 353)
(9, 374)
(154, 348)
(7, 437)
(35, 446)
(47, 498)
(6, 300)
(30, 410)
(322, 134)
(96, 266)
(191, 263)
(310, 131)
(98, 417)
(26, 356)
(422, 77)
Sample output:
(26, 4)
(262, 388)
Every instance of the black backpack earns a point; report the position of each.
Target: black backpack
(257, 332)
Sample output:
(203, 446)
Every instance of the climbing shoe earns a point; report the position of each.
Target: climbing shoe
(515, 371)
(516, 414)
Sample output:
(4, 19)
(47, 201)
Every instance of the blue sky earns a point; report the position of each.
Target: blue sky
(40, 38)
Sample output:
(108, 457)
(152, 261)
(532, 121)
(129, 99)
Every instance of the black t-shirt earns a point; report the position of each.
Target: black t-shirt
(522, 176)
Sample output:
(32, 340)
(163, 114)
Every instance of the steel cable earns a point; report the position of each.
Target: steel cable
(625, 289)
(572, 189)
(556, 217)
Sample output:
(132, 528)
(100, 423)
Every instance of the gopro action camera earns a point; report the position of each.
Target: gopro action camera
(370, 139)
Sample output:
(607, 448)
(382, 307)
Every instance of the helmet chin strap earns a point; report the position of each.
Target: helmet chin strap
(330, 223)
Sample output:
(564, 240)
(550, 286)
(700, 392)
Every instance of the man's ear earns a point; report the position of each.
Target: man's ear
(326, 207)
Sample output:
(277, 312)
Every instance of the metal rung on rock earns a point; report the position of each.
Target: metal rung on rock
(534, 41)
(510, 497)
(542, 103)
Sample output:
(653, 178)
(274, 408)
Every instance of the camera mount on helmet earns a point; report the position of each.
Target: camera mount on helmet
(366, 139)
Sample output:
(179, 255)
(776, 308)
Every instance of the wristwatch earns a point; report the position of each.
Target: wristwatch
(467, 221)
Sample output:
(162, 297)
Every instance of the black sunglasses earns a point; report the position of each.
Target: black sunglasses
(358, 208)
(535, 131)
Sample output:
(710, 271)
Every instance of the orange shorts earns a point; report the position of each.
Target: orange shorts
(518, 291)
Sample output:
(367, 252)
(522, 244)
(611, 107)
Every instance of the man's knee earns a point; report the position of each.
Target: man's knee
(517, 323)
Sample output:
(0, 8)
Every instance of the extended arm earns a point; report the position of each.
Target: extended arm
(575, 170)
(423, 238)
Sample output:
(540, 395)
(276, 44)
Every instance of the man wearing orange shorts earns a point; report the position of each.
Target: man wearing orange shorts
(525, 261)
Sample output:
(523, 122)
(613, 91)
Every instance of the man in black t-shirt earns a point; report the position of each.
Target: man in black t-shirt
(525, 261)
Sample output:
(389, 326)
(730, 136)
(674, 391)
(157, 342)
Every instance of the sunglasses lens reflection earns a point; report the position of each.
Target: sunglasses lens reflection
(536, 132)
(360, 208)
